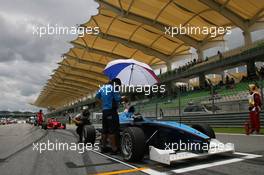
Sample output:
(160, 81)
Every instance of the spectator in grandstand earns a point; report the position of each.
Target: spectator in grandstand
(231, 83)
(244, 78)
(227, 80)
(161, 113)
(261, 72)
(110, 98)
(221, 83)
(69, 117)
(186, 66)
(254, 109)
(183, 88)
(220, 55)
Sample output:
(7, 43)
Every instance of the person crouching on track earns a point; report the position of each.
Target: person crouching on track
(254, 109)
(110, 98)
(81, 120)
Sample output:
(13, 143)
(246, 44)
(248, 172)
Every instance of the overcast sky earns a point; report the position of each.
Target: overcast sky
(26, 60)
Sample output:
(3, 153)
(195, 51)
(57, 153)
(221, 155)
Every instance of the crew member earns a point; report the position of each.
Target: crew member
(110, 98)
(80, 120)
(254, 108)
(40, 117)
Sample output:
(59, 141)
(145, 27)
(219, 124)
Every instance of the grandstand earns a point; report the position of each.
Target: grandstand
(229, 100)
(233, 56)
(127, 31)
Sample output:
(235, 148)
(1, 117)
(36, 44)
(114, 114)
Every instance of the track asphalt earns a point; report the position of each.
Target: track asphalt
(19, 157)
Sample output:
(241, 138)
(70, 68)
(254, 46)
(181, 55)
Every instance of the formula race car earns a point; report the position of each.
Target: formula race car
(165, 141)
(53, 123)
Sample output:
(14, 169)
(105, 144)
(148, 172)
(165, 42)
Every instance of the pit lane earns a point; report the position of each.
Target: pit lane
(17, 156)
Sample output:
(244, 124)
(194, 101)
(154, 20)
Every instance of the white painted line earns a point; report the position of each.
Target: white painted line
(248, 156)
(153, 172)
(237, 134)
(208, 165)
(187, 169)
(114, 159)
(147, 171)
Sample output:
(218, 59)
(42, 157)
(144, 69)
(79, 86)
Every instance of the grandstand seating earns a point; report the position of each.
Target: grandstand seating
(234, 52)
(238, 93)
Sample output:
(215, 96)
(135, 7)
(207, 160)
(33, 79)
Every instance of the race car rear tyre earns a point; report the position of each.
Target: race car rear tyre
(64, 126)
(205, 129)
(44, 126)
(133, 144)
(89, 134)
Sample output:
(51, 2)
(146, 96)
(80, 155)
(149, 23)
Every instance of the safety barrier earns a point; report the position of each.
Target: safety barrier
(215, 120)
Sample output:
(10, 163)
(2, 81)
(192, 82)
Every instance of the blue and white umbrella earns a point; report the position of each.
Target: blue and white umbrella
(131, 72)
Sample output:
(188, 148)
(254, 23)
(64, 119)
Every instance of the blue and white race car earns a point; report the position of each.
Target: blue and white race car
(166, 141)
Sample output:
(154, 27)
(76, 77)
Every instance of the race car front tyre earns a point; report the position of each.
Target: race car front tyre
(89, 134)
(64, 126)
(44, 126)
(133, 144)
(205, 129)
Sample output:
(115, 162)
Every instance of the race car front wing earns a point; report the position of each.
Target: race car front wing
(170, 156)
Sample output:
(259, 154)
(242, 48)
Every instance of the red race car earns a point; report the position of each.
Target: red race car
(53, 123)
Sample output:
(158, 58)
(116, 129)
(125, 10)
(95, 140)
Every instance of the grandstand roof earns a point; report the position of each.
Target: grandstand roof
(136, 29)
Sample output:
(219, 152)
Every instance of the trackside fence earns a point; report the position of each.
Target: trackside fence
(215, 120)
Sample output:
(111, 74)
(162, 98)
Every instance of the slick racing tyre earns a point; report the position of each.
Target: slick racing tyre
(89, 134)
(64, 126)
(133, 144)
(205, 129)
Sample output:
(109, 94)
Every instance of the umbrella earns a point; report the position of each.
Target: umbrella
(131, 72)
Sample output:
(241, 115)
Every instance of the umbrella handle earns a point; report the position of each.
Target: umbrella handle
(132, 68)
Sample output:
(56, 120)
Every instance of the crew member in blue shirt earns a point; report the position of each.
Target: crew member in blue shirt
(110, 98)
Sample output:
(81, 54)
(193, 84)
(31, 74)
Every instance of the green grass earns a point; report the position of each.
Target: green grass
(232, 130)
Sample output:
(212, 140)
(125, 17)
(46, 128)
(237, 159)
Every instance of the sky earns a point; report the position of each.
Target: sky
(27, 60)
